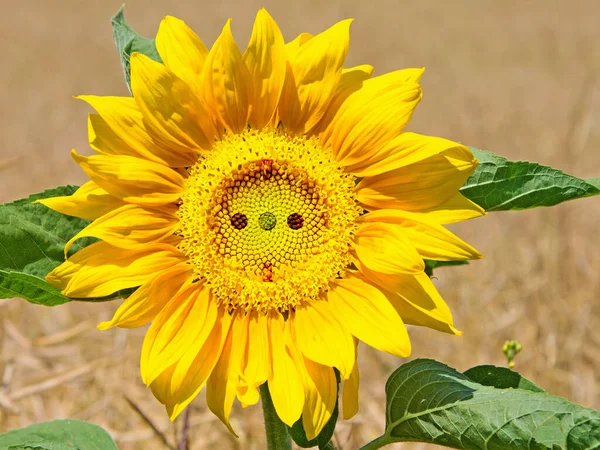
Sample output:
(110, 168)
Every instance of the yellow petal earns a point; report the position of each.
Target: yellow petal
(173, 113)
(373, 115)
(322, 338)
(385, 248)
(146, 302)
(416, 299)
(431, 240)
(369, 315)
(183, 324)
(104, 140)
(321, 396)
(131, 225)
(101, 269)
(227, 84)
(291, 48)
(350, 393)
(351, 81)
(191, 373)
(403, 150)
(256, 364)
(314, 74)
(285, 383)
(421, 186)
(177, 396)
(266, 61)
(181, 50)
(89, 202)
(119, 129)
(456, 209)
(132, 179)
(223, 382)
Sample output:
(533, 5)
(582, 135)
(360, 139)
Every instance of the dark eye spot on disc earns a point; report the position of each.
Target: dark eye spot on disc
(295, 221)
(239, 221)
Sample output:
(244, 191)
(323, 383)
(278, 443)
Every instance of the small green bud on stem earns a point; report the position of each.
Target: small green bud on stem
(511, 349)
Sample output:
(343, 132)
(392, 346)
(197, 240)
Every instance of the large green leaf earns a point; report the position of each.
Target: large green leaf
(501, 185)
(31, 288)
(32, 236)
(128, 41)
(428, 401)
(58, 435)
(32, 241)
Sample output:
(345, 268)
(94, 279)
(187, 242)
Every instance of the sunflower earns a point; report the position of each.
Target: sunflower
(271, 212)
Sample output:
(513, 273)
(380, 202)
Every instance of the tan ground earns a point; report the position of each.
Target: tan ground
(516, 77)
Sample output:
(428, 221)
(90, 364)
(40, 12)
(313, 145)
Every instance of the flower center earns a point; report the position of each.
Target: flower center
(267, 220)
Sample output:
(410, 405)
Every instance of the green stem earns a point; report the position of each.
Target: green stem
(381, 441)
(277, 435)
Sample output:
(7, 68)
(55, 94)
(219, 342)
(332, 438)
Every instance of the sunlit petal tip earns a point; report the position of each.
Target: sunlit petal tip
(226, 38)
(263, 12)
(226, 30)
(476, 255)
(418, 74)
(181, 50)
(54, 281)
(456, 331)
(341, 30)
(227, 88)
(174, 411)
(170, 19)
(265, 59)
(105, 325)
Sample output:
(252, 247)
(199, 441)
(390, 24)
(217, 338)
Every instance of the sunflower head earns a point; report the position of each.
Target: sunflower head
(271, 211)
(267, 220)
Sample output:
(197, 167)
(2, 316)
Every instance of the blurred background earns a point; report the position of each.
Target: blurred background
(516, 77)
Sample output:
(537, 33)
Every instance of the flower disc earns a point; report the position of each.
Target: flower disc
(267, 219)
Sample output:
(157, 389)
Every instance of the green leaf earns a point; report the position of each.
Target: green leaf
(31, 288)
(32, 241)
(431, 264)
(299, 436)
(32, 236)
(501, 185)
(500, 378)
(58, 435)
(428, 401)
(128, 41)
(594, 182)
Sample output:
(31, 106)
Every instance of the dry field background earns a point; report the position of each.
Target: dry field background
(516, 77)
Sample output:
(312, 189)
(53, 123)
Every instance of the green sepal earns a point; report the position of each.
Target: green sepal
(431, 264)
(128, 41)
